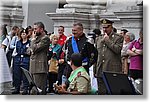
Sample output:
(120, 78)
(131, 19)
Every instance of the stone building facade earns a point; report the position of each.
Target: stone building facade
(126, 14)
(25, 12)
(11, 13)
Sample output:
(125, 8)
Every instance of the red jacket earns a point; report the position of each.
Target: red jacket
(62, 40)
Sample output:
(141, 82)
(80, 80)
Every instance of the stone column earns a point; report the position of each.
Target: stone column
(11, 13)
(74, 11)
(98, 7)
(126, 14)
(90, 12)
(84, 11)
(132, 19)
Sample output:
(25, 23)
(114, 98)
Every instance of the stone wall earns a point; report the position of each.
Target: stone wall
(11, 13)
(126, 14)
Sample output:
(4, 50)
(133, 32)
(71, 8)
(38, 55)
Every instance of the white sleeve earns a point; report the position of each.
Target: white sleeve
(5, 41)
(13, 42)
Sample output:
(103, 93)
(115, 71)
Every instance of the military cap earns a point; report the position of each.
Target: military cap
(106, 22)
(124, 30)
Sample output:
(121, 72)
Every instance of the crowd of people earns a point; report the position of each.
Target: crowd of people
(60, 64)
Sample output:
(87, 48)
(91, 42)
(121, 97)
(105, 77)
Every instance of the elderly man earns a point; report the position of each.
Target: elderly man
(109, 53)
(79, 43)
(38, 60)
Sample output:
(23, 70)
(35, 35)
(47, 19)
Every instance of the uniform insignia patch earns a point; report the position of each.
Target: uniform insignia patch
(104, 21)
(79, 74)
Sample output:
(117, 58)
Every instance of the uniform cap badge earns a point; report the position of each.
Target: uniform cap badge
(104, 21)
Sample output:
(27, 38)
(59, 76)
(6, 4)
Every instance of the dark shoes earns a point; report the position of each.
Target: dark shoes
(16, 92)
(50, 91)
(25, 92)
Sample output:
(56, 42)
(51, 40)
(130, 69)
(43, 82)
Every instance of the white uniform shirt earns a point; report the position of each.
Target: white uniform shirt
(6, 42)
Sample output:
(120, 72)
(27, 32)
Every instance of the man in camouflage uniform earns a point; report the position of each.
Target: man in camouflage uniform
(79, 80)
(109, 53)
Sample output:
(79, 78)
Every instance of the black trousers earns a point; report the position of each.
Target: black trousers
(40, 81)
(52, 77)
(60, 72)
(135, 74)
(87, 68)
(101, 86)
(9, 57)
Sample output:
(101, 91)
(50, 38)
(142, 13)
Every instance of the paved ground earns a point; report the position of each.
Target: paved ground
(6, 88)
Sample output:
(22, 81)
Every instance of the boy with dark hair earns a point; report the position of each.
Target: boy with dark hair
(79, 80)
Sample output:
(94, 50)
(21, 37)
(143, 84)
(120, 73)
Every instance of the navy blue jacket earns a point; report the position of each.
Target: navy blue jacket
(22, 58)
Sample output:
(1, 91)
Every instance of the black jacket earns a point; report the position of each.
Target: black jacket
(85, 48)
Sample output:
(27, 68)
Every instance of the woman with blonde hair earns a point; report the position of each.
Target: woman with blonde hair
(54, 53)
